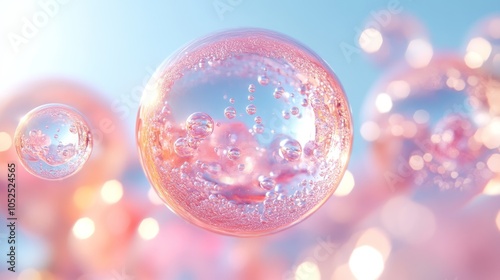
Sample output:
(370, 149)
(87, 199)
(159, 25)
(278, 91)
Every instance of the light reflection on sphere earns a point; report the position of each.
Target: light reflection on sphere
(245, 132)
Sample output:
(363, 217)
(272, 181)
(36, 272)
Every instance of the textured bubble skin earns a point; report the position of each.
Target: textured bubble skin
(425, 125)
(250, 175)
(53, 141)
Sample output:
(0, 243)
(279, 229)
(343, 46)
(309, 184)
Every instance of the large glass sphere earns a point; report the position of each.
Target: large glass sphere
(244, 132)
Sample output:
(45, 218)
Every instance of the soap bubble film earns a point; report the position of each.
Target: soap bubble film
(53, 141)
(243, 164)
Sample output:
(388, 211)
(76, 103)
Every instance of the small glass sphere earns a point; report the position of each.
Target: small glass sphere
(53, 141)
(425, 125)
(242, 176)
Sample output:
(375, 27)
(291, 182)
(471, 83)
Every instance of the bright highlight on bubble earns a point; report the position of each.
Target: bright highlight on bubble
(53, 141)
(241, 164)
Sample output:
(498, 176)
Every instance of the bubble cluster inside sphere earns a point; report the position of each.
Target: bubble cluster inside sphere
(53, 141)
(244, 132)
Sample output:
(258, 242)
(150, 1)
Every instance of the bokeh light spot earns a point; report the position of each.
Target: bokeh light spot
(494, 163)
(307, 271)
(84, 228)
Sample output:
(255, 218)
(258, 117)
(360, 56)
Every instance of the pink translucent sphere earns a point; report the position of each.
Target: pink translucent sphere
(244, 132)
(53, 141)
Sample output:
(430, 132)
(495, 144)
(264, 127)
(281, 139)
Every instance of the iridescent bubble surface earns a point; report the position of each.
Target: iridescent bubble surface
(426, 125)
(241, 168)
(53, 141)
